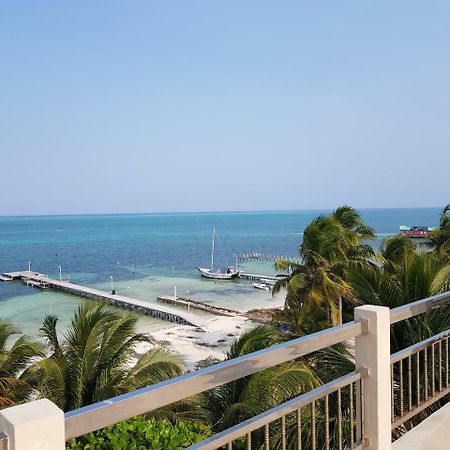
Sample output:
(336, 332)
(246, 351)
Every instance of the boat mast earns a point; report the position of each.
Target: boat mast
(212, 248)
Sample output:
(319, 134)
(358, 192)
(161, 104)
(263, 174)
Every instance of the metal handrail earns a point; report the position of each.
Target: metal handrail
(411, 350)
(423, 405)
(419, 307)
(415, 402)
(257, 422)
(98, 415)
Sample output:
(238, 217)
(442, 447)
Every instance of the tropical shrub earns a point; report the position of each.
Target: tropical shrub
(142, 434)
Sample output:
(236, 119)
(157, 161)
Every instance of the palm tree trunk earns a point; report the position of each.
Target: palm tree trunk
(340, 309)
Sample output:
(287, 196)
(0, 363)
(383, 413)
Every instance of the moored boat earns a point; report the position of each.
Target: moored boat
(217, 274)
(262, 286)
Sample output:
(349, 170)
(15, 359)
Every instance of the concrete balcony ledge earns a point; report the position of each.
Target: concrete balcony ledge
(432, 434)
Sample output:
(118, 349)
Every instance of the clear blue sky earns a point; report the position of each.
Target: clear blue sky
(142, 106)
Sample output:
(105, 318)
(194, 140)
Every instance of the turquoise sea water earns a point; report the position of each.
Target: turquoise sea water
(148, 254)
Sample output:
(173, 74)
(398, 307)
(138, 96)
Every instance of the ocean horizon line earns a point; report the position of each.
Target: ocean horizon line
(212, 212)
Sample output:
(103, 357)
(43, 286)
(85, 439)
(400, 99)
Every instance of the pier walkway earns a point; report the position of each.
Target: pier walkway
(196, 304)
(150, 309)
(253, 276)
(259, 256)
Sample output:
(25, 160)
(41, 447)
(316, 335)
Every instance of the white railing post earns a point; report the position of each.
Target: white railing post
(372, 351)
(37, 425)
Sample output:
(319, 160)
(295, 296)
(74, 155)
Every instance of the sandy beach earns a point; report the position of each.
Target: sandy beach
(195, 344)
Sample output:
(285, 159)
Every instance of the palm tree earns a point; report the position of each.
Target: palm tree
(394, 277)
(13, 360)
(331, 245)
(339, 236)
(440, 238)
(97, 359)
(393, 252)
(303, 320)
(417, 276)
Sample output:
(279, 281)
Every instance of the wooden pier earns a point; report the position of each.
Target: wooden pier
(259, 256)
(253, 276)
(149, 309)
(196, 304)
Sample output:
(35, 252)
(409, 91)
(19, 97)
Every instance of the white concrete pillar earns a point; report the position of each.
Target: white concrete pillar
(372, 351)
(37, 425)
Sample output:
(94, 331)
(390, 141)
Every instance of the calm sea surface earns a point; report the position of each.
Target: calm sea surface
(148, 254)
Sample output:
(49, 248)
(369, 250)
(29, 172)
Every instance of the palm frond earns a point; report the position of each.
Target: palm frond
(97, 359)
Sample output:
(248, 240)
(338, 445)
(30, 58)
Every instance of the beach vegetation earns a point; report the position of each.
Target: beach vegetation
(96, 359)
(142, 433)
(398, 274)
(15, 356)
(417, 276)
(332, 244)
(440, 237)
(340, 269)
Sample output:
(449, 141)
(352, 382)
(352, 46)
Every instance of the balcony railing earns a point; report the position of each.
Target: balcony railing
(317, 404)
(101, 414)
(419, 373)
(381, 394)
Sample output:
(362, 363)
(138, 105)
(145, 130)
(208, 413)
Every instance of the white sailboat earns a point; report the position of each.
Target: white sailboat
(217, 274)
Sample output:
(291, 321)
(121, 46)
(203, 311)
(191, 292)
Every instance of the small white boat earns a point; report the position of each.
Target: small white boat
(261, 286)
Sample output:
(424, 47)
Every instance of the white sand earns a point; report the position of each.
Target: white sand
(194, 344)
